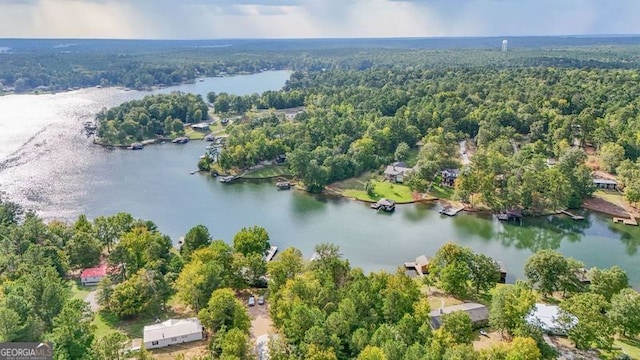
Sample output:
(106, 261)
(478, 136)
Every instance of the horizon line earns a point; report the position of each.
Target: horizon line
(329, 37)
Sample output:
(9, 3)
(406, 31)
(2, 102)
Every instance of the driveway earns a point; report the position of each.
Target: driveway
(92, 300)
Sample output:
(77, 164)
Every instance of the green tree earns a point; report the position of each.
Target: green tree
(224, 311)
(197, 237)
(251, 240)
(235, 345)
(608, 282)
(625, 312)
(112, 346)
(484, 272)
(509, 307)
(73, 333)
(83, 250)
(593, 327)
(10, 325)
(372, 353)
(109, 229)
(524, 348)
(611, 155)
(142, 293)
(402, 151)
(458, 324)
(545, 268)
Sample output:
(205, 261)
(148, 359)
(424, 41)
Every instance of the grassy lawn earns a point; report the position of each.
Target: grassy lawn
(192, 134)
(106, 322)
(630, 347)
(613, 197)
(382, 189)
(78, 291)
(269, 171)
(441, 192)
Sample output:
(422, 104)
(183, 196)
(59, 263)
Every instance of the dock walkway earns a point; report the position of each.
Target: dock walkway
(573, 216)
(630, 221)
(450, 210)
(271, 253)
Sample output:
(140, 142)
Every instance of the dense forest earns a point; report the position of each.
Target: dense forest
(518, 118)
(153, 116)
(321, 308)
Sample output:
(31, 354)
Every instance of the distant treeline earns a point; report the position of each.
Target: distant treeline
(37, 65)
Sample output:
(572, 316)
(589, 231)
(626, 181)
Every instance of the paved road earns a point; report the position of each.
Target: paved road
(463, 152)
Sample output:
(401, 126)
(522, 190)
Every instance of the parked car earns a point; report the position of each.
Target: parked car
(252, 301)
(261, 300)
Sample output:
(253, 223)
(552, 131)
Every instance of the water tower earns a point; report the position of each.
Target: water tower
(504, 45)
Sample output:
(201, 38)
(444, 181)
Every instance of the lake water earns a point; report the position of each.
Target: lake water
(47, 164)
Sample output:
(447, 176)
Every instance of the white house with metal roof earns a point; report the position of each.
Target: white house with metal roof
(548, 319)
(172, 331)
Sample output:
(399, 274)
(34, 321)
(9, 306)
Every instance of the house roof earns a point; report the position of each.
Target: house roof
(386, 202)
(94, 271)
(171, 328)
(546, 317)
(605, 182)
(450, 172)
(477, 312)
(502, 265)
(397, 168)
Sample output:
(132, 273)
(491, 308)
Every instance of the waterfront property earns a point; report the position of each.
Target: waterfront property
(171, 332)
(449, 176)
(605, 184)
(479, 314)
(396, 172)
(384, 205)
(546, 317)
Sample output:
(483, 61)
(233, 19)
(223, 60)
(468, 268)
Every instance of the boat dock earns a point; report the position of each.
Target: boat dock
(573, 216)
(421, 265)
(283, 185)
(271, 253)
(630, 221)
(450, 210)
(226, 179)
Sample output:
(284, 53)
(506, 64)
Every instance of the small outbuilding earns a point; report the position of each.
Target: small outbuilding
(479, 314)
(171, 332)
(503, 271)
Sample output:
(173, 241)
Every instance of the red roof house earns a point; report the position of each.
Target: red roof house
(92, 276)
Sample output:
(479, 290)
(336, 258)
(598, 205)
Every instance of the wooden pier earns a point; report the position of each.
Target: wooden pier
(573, 216)
(421, 265)
(450, 210)
(630, 221)
(271, 253)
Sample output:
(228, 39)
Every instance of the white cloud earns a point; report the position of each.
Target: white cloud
(313, 18)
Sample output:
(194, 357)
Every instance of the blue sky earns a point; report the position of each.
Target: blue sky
(210, 19)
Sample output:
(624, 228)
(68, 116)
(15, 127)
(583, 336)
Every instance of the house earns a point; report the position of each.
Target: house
(203, 126)
(396, 172)
(385, 205)
(605, 184)
(449, 176)
(172, 331)
(479, 314)
(547, 318)
(92, 276)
